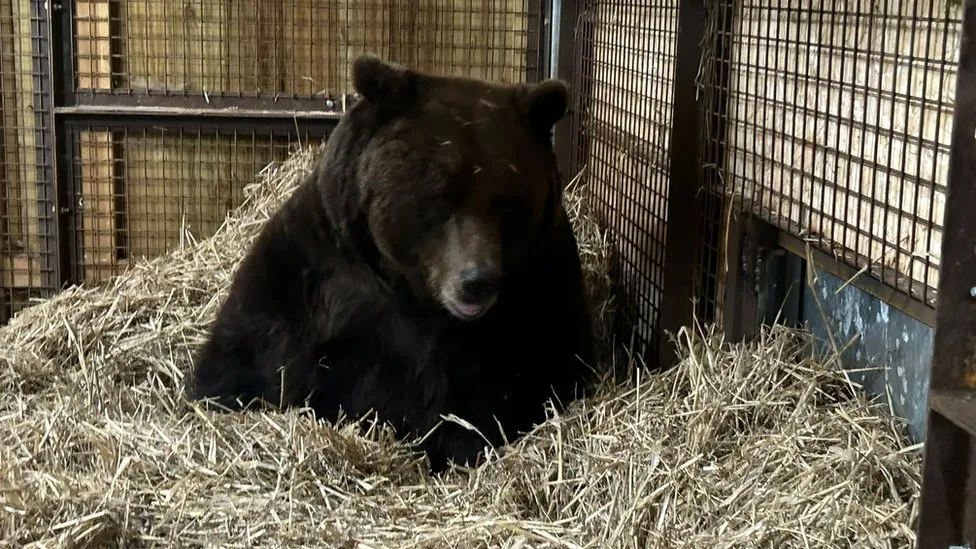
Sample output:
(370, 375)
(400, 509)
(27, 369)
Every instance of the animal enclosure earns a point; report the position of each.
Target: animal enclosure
(706, 137)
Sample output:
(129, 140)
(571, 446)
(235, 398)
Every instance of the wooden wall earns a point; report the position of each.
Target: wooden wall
(302, 47)
(145, 190)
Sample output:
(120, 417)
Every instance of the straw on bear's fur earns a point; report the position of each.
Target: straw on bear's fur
(750, 446)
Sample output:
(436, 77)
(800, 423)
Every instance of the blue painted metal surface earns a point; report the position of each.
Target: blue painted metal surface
(894, 347)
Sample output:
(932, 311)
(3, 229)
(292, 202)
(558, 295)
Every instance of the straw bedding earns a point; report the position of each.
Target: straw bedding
(742, 446)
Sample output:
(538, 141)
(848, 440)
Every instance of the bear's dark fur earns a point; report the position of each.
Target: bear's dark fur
(427, 267)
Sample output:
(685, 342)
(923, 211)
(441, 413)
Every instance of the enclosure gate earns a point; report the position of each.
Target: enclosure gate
(128, 124)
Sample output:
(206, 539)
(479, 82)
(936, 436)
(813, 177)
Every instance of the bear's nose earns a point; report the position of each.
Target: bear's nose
(478, 284)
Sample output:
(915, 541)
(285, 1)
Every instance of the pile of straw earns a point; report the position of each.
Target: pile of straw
(749, 446)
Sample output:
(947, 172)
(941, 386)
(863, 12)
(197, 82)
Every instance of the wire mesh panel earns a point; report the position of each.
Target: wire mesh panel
(299, 49)
(714, 74)
(625, 62)
(27, 201)
(839, 119)
(139, 191)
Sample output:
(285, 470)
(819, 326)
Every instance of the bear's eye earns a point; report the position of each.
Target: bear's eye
(433, 215)
(452, 194)
(515, 214)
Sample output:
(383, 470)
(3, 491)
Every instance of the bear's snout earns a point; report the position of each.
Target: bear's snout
(467, 275)
(478, 285)
(474, 290)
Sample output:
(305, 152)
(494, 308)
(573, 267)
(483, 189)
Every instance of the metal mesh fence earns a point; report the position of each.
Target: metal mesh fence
(296, 50)
(27, 200)
(139, 191)
(625, 61)
(837, 128)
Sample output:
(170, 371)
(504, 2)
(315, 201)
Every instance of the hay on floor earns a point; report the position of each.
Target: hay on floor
(749, 446)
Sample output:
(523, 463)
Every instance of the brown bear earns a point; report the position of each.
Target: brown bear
(427, 267)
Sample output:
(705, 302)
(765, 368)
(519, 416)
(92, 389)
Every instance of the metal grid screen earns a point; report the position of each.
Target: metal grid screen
(27, 199)
(714, 73)
(837, 127)
(296, 50)
(625, 60)
(137, 191)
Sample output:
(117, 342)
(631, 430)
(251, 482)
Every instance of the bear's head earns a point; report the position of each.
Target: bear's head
(454, 179)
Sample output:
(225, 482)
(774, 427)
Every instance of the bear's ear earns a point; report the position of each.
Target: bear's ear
(544, 104)
(383, 82)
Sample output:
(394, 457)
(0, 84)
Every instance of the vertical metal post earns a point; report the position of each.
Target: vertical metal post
(553, 16)
(570, 66)
(62, 78)
(750, 241)
(684, 200)
(948, 503)
(537, 42)
(45, 157)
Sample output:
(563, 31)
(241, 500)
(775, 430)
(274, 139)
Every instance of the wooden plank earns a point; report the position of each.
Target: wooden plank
(254, 46)
(627, 144)
(404, 32)
(507, 39)
(18, 271)
(178, 46)
(316, 63)
(151, 56)
(98, 185)
(93, 44)
(947, 514)
(959, 407)
(9, 136)
(366, 30)
(186, 182)
(152, 185)
(205, 25)
(480, 38)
